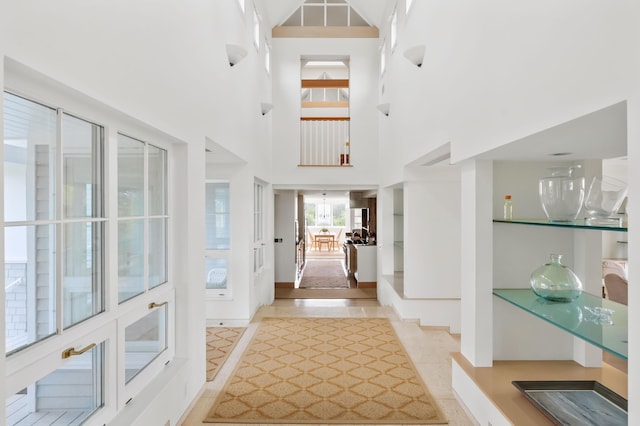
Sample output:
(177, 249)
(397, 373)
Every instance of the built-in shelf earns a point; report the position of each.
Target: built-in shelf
(580, 317)
(576, 224)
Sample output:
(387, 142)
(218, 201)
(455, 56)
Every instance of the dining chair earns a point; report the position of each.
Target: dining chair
(336, 240)
(617, 288)
(312, 240)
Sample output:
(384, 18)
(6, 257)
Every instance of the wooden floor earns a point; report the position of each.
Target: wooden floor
(496, 383)
(322, 293)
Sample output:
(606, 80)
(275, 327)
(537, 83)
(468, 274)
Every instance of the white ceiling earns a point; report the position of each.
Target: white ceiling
(217, 154)
(600, 134)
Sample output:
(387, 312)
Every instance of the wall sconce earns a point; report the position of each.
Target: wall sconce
(415, 55)
(265, 107)
(235, 53)
(384, 108)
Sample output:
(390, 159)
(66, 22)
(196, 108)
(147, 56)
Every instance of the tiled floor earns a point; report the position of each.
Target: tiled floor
(428, 348)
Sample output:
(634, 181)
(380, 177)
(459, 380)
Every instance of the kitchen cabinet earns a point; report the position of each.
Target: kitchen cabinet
(366, 272)
(351, 259)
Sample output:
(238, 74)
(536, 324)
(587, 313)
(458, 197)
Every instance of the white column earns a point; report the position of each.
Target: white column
(477, 262)
(633, 207)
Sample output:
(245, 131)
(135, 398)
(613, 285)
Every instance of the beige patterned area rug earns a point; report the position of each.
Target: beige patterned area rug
(324, 371)
(323, 274)
(220, 343)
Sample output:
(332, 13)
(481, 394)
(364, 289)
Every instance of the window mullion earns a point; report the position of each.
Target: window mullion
(111, 231)
(59, 225)
(97, 206)
(325, 12)
(145, 198)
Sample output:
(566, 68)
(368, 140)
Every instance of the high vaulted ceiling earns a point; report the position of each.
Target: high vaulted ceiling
(275, 12)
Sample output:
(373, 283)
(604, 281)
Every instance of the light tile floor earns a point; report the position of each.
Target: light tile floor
(429, 349)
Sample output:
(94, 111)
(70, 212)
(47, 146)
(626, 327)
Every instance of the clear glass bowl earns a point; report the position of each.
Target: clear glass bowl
(561, 194)
(555, 281)
(603, 200)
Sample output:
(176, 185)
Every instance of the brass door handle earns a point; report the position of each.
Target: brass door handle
(67, 353)
(156, 305)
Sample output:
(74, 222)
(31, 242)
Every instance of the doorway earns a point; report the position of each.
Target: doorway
(325, 224)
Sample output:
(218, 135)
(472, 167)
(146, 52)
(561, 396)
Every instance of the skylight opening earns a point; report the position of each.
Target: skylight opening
(325, 13)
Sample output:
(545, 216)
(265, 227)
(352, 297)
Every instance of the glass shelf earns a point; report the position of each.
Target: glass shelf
(576, 224)
(583, 317)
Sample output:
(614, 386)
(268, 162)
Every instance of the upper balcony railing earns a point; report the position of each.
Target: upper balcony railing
(324, 141)
(324, 121)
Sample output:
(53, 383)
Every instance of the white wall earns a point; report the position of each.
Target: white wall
(432, 235)
(363, 62)
(237, 309)
(165, 65)
(496, 71)
(175, 77)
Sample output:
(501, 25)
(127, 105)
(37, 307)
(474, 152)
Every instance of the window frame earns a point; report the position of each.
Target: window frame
(223, 254)
(39, 359)
(127, 391)
(24, 370)
(146, 216)
(59, 220)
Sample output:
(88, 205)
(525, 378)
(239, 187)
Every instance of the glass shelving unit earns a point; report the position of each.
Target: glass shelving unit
(576, 224)
(594, 319)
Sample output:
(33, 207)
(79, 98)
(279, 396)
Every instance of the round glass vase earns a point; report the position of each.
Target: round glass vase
(561, 194)
(555, 281)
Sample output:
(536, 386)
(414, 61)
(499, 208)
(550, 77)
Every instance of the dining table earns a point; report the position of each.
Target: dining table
(325, 238)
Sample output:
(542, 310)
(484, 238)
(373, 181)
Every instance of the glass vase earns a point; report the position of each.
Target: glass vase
(555, 281)
(603, 200)
(561, 194)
